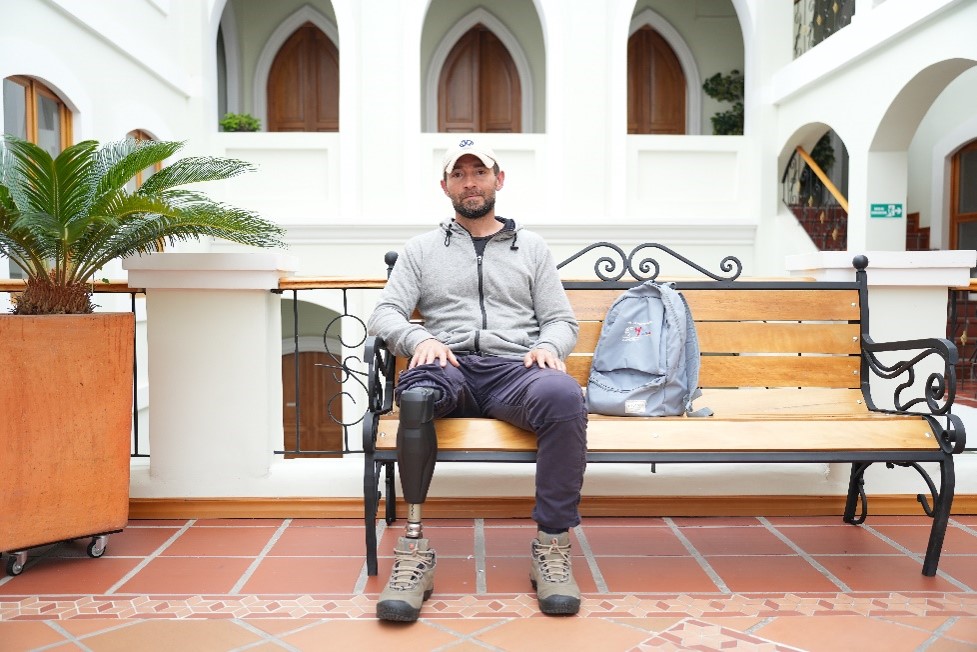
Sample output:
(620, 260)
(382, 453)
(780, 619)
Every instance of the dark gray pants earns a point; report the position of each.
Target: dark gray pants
(544, 401)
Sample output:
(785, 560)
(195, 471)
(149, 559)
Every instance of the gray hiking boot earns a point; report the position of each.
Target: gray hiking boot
(411, 581)
(552, 576)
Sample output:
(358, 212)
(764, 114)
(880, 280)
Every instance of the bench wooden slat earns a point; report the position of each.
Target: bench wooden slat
(784, 402)
(755, 337)
(759, 370)
(779, 403)
(869, 433)
(739, 305)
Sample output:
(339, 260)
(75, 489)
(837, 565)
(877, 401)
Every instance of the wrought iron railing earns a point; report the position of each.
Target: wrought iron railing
(338, 374)
(816, 20)
(815, 201)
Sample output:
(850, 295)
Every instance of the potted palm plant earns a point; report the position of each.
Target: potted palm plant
(66, 375)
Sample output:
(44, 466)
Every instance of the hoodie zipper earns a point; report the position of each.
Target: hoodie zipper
(481, 304)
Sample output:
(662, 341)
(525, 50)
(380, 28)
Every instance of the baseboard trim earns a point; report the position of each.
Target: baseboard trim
(520, 507)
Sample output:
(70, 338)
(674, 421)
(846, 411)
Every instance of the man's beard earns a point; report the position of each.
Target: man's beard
(474, 213)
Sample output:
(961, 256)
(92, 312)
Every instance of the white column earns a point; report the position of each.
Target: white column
(214, 339)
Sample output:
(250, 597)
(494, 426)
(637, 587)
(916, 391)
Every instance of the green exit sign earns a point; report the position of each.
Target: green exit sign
(886, 210)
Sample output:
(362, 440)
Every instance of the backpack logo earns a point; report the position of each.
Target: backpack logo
(646, 362)
(634, 331)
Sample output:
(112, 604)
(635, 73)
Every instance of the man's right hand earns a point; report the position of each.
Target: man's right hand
(432, 350)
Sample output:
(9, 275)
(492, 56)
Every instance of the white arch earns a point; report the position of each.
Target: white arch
(693, 81)
(479, 15)
(232, 59)
(304, 14)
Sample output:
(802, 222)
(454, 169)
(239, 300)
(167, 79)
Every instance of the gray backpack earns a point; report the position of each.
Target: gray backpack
(646, 362)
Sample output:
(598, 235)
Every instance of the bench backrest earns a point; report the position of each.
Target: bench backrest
(752, 334)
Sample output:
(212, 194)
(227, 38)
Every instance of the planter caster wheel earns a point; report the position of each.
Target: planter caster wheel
(97, 547)
(16, 562)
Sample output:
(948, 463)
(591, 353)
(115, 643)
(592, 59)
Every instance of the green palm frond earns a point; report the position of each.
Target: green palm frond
(62, 219)
(195, 170)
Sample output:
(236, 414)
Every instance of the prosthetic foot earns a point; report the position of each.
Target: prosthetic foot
(412, 577)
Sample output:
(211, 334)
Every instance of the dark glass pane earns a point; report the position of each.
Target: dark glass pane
(968, 183)
(48, 125)
(14, 109)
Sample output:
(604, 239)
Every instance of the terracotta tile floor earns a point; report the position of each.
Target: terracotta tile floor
(649, 584)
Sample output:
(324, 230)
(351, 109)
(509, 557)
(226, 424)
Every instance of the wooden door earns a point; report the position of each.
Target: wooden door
(303, 84)
(318, 391)
(963, 197)
(479, 88)
(656, 85)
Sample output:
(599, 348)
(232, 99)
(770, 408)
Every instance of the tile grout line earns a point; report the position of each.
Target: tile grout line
(803, 554)
(937, 634)
(264, 637)
(916, 557)
(253, 566)
(962, 526)
(470, 637)
(481, 578)
(360, 587)
(591, 560)
(150, 557)
(699, 558)
(68, 638)
(79, 639)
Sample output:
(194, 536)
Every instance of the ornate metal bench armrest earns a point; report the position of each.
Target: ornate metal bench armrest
(940, 388)
(379, 386)
(938, 392)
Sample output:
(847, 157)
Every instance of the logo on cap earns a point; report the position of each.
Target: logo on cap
(466, 143)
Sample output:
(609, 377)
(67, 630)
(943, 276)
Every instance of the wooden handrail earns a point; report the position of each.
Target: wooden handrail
(832, 188)
(288, 283)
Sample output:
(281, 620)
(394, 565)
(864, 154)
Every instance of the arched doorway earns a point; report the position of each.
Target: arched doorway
(656, 85)
(303, 83)
(479, 88)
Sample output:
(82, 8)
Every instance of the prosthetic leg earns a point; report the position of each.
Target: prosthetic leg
(417, 449)
(412, 576)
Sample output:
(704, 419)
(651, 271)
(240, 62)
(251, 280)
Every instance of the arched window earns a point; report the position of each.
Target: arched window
(303, 83)
(656, 85)
(963, 197)
(34, 112)
(479, 88)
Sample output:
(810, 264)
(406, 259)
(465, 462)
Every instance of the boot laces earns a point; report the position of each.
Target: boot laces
(409, 568)
(553, 561)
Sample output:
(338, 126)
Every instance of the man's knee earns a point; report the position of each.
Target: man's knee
(556, 397)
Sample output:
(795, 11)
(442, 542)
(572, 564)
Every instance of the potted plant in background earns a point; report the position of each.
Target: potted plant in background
(66, 371)
(239, 122)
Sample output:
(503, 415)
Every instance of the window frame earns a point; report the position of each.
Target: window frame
(33, 90)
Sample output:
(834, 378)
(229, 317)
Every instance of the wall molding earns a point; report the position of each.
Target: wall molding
(521, 507)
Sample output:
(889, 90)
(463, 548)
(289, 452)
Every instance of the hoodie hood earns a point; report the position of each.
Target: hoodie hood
(509, 231)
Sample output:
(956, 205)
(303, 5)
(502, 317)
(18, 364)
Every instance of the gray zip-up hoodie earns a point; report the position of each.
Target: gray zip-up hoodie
(505, 303)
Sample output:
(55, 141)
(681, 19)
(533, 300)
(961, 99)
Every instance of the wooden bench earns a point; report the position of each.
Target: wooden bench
(786, 366)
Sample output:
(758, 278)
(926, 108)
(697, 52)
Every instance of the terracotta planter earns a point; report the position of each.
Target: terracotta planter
(65, 426)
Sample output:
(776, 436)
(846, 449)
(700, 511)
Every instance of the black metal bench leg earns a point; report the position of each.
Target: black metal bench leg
(856, 494)
(941, 516)
(390, 503)
(371, 501)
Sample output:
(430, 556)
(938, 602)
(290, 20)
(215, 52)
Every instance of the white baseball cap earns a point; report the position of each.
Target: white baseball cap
(468, 146)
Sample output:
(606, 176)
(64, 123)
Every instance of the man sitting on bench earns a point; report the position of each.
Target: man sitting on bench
(497, 329)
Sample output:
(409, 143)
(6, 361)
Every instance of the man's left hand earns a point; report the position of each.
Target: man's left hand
(545, 359)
